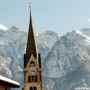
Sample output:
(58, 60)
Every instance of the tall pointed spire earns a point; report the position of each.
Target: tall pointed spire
(31, 42)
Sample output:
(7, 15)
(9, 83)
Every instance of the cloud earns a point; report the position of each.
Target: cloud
(89, 20)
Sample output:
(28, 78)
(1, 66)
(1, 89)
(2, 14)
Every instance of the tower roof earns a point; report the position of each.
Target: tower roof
(31, 42)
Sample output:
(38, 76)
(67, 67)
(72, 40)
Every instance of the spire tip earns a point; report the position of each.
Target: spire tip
(30, 5)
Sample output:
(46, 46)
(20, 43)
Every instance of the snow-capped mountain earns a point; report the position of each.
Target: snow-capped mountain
(3, 28)
(81, 36)
(68, 63)
(65, 60)
(46, 41)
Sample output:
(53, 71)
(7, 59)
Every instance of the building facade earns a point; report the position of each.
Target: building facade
(32, 62)
(3, 87)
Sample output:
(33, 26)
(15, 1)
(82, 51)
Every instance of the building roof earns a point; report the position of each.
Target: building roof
(8, 82)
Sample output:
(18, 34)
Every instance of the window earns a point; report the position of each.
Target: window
(32, 64)
(35, 88)
(40, 77)
(35, 78)
(31, 88)
(32, 79)
(29, 78)
(5, 88)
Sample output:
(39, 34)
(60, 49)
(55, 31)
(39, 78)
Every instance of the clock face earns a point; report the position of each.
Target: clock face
(32, 64)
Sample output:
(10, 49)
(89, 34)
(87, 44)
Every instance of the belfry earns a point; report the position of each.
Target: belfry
(32, 62)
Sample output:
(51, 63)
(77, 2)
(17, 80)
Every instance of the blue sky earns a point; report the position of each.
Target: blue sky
(60, 16)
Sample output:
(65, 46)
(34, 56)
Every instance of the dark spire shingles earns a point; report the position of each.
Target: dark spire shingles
(31, 43)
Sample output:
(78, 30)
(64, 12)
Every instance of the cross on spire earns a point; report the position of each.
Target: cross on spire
(30, 5)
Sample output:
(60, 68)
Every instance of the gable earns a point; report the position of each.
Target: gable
(32, 63)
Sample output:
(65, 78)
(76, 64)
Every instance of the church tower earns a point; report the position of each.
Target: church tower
(32, 62)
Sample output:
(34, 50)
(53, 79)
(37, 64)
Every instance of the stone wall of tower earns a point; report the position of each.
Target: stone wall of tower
(32, 71)
(38, 85)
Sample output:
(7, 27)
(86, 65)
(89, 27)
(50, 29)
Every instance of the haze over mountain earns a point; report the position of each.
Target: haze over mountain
(65, 59)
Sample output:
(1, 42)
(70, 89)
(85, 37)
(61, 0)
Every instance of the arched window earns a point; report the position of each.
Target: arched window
(40, 77)
(5, 88)
(35, 88)
(29, 79)
(35, 78)
(31, 88)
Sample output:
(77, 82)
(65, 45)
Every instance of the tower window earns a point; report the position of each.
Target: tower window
(40, 77)
(35, 78)
(29, 78)
(32, 64)
(31, 88)
(5, 88)
(32, 79)
(35, 88)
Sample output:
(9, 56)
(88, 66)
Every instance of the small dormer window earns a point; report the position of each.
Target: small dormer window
(32, 64)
